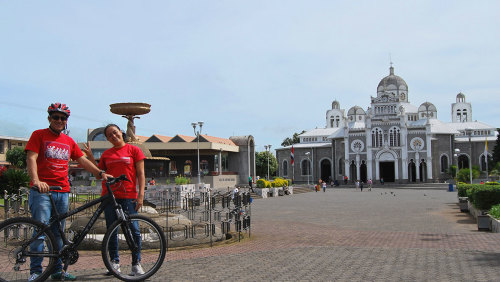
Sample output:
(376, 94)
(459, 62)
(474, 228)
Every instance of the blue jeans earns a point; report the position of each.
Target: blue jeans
(128, 207)
(41, 210)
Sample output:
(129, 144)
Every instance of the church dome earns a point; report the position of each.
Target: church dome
(392, 83)
(427, 109)
(460, 98)
(356, 110)
(335, 105)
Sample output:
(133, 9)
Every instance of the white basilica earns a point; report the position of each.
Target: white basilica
(392, 139)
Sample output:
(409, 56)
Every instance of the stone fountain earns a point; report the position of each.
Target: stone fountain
(130, 111)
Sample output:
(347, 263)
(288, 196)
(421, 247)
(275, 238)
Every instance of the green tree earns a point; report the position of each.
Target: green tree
(17, 157)
(12, 179)
(16, 176)
(261, 164)
(290, 141)
(452, 170)
(464, 175)
(496, 150)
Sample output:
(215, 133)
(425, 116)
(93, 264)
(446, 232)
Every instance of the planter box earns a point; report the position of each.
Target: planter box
(483, 222)
(495, 225)
(262, 192)
(464, 205)
(481, 216)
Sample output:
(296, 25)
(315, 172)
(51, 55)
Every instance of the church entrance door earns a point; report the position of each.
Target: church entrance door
(387, 171)
(412, 172)
(326, 170)
(362, 172)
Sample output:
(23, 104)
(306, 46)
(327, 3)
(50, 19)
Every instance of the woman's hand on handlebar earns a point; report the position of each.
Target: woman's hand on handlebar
(105, 176)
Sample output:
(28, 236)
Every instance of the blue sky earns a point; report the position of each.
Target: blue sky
(265, 68)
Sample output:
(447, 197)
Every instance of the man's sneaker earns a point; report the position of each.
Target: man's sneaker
(116, 266)
(59, 276)
(34, 276)
(137, 270)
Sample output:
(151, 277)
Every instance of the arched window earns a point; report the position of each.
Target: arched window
(285, 168)
(306, 167)
(444, 163)
(394, 137)
(377, 137)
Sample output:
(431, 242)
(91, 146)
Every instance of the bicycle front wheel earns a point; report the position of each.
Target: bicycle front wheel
(121, 261)
(16, 255)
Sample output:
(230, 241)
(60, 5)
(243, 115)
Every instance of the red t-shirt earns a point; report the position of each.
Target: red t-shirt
(122, 161)
(54, 152)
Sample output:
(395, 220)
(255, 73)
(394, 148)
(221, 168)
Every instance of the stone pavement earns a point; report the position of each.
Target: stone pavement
(342, 235)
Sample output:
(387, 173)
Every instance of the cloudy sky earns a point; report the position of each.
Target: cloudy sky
(266, 68)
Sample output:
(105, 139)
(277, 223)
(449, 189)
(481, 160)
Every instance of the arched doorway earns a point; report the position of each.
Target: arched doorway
(326, 170)
(362, 171)
(463, 161)
(387, 166)
(353, 171)
(412, 171)
(423, 170)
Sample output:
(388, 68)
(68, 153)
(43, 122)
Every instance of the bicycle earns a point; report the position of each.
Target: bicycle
(16, 235)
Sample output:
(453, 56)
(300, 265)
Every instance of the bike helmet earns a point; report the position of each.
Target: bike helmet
(58, 107)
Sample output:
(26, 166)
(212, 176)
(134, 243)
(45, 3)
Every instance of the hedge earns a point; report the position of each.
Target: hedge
(483, 197)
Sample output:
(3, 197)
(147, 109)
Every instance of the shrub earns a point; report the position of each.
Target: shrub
(483, 197)
(279, 182)
(289, 182)
(181, 180)
(268, 184)
(492, 183)
(12, 179)
(462, 189)
(495, 211)
(261, 183)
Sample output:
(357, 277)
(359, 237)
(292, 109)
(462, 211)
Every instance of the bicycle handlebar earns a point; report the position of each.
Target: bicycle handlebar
(113, 180)
(110, 181)
(51, 188)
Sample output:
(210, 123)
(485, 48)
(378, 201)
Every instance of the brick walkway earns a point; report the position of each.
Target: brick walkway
(342, 235)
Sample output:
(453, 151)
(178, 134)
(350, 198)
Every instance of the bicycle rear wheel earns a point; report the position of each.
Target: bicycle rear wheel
(15, 259)
(153, 248)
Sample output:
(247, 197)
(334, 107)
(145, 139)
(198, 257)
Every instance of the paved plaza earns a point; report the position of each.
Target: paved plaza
(341, 235)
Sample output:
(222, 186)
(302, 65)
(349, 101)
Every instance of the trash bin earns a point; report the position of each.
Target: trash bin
(450, 187)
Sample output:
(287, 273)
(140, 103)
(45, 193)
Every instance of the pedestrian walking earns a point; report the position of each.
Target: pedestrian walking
(324, 186)
(370, 184)
(361, 186)
(250, 181)
(356, 183)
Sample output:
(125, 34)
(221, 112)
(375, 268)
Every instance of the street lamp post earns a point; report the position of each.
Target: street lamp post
(468, 131)
(197, 134)
(457, 152)
(309, 168)
(268, 149)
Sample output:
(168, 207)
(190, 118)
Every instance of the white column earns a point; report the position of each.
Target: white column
(417, 166)
(429, 152)
(358, 167)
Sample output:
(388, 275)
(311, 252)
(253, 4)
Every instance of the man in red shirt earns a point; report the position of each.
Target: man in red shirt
(48, 154)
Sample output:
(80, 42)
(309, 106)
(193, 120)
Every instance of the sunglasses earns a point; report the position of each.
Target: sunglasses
(62, 118)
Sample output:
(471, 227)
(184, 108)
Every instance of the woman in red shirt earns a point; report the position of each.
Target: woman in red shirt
(126, 159)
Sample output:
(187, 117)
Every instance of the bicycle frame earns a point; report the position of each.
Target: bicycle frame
(56, 218)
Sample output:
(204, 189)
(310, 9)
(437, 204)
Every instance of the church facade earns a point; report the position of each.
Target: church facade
(391, 140)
